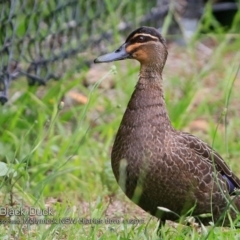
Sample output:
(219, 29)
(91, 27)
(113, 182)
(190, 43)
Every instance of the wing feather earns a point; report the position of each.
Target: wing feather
(203, 149)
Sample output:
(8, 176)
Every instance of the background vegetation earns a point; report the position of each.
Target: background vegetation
(56, 140)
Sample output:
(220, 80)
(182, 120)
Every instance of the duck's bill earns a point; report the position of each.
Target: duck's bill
(119, 54)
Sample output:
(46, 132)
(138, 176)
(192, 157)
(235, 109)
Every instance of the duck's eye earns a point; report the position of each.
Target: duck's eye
(141, 38)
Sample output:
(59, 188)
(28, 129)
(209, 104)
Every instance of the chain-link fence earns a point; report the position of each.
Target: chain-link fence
(42, 40)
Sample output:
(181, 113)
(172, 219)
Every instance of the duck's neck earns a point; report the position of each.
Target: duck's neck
(148, 98)
(151, 72)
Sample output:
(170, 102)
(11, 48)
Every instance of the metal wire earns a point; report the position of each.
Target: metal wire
(36, 37)
(43, 40)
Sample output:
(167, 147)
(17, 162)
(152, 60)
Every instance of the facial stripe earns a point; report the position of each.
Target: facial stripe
(142, 38)
(133, 47)
(148, 31)
(145, 35)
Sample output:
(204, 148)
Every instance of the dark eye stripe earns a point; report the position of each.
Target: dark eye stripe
(145, 39)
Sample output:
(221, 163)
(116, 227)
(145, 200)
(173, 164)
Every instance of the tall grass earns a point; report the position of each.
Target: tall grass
(57, 154)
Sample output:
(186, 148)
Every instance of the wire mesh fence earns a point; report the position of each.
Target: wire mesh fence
(43, 40)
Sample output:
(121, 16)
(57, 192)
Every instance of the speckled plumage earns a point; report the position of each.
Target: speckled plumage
(156, 165)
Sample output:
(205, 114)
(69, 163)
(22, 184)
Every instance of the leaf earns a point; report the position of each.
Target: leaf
(3, 169)
(12, 173)
(167, 210)
(164, 209)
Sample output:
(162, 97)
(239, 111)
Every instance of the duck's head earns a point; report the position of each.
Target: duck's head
(145, 44)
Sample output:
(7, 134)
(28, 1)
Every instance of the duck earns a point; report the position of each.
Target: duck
(169, 173)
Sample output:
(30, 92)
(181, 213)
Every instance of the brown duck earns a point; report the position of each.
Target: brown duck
(166, 172)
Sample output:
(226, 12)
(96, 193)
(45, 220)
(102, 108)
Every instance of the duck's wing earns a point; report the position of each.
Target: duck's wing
(204, 150)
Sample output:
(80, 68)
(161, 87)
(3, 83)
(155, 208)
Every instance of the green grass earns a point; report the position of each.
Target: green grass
(58, 153)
